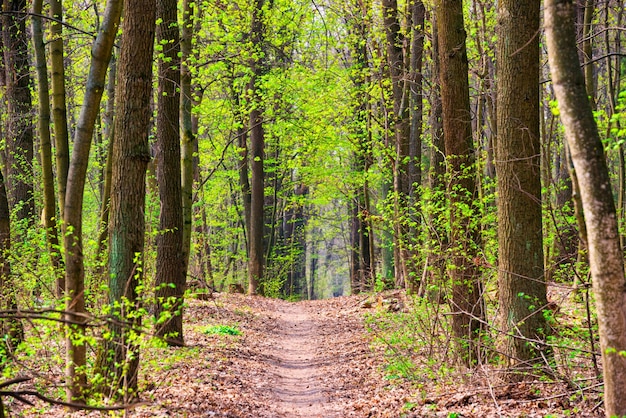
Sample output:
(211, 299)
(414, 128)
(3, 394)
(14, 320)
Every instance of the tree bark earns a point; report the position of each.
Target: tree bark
(19, 138)
(75, 270)
(188, 137)
(59, 106)
(402, 129)
(170, 263)
(605, 253)
(45, 149)
(521, 282)
(131, 155)
(257, 148)
(467, 299)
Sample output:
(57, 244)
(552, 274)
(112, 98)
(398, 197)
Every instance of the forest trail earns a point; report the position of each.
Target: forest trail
(298, 363)
(255, 357)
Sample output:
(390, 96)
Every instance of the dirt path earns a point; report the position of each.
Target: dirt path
(297, 364)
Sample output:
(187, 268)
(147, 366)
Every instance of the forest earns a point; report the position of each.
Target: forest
(454, 169)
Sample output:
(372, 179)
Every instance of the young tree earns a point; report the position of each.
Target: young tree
(170, 262)
(75, 269)
(467, 299)
(45, 149)
(606, 257)
(361, 233)
(521, 283)
(131, 154)
(59, 105)
(188, 140)
(402, 129)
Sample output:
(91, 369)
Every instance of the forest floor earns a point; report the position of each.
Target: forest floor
(258, 357)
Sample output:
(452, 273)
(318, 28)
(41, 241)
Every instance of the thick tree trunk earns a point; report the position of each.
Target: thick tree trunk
(131, 155)
(521, 282)
(467, 299)
(75, 269)
(19, 138)
(170, 263)
(606, 258)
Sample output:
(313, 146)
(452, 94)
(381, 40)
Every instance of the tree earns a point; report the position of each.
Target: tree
(467, 299)
(45, 149)
(188, 138)
(131, 155)
(606, 258)
(401, 126)
(257, 148)
(10, 327)
(521, 283)
(73, 239)
(19, 141)
(361, 233)
(59, 106)
(170, 263)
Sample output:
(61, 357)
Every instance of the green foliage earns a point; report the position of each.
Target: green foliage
(221, 330)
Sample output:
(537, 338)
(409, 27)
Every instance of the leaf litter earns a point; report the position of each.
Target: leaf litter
(308, 359)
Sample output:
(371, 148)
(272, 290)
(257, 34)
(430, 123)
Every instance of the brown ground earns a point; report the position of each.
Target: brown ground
(307, 359)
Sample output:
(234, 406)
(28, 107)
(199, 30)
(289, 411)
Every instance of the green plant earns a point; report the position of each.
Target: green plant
(221, 330)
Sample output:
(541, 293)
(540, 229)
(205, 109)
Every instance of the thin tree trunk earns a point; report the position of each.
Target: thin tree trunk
(59, 107)
(75, 270)
(45, 148)
(257, 148)
(188, 137)
(606, 258)
(402, 128)
(108, 170)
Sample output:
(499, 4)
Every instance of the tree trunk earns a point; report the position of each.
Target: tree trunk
(75, 270)
(10, 327)
(257, 147)
(45, 148)
(605, 253)
(19, 138)
(59, 107)
(131, 155)
(467, 299)
(170, 274)
(188, 137)
(521, 282)
(402, 129)
(109, 120)
(418, 16)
